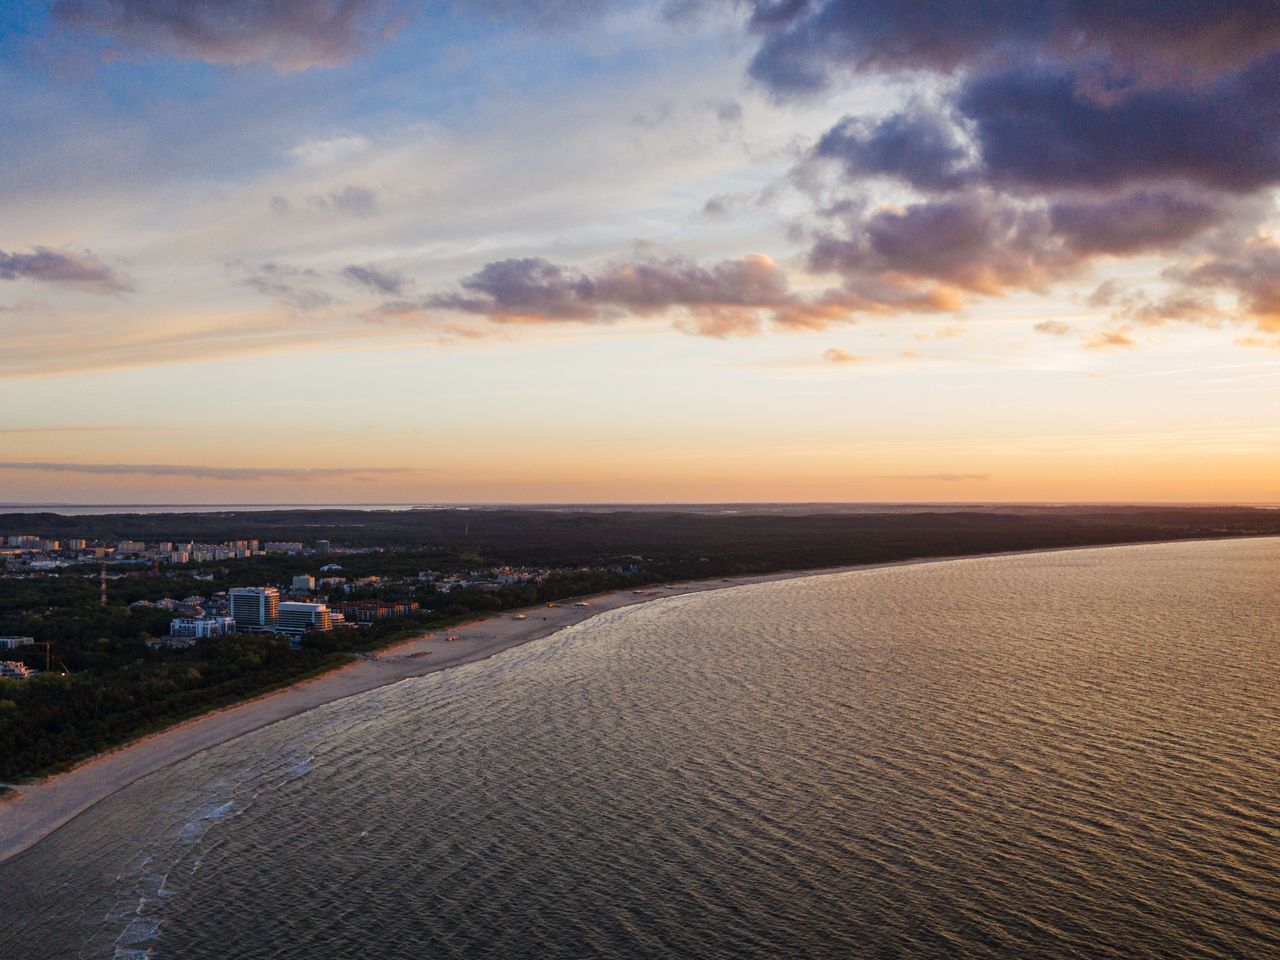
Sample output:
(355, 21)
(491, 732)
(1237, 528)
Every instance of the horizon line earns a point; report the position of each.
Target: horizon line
(445, 504)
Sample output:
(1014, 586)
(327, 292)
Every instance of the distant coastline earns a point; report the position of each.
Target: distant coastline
(766, 508)
(34, 811)
(108, 509)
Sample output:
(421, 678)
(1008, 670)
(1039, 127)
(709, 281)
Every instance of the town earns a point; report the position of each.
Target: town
(304, 604)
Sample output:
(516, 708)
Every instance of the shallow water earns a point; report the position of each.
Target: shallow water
(1070, 754)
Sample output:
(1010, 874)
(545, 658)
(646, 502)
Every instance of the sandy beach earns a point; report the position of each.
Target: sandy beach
(35, 810)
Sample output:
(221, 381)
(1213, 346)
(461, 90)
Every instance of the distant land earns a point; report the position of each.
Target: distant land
(795, 508)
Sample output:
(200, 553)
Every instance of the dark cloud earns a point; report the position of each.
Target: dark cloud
(199, 472)
(730, 297)
(1039, 129)
(1138, 222)
(1057, 133)
(934, 253)
(917, 146)
(63, 267)
(650, 287)
(1035, 131)
(534, 288)
(976, 243)
(524, 289)
(1043, 128)
(805, 42)
(388, 282)
(289, 34)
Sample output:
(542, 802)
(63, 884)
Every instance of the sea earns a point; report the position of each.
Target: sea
(1069, 754)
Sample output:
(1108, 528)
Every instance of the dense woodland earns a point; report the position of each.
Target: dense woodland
(760, 540)
(116, 688)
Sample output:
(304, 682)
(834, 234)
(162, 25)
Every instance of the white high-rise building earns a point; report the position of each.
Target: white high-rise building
(254, 608)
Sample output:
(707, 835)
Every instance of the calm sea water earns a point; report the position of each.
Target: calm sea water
(1063, 755)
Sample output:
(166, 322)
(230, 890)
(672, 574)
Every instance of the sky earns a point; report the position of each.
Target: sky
(318, 251)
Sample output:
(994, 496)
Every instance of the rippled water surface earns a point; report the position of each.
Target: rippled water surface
(1061, 755)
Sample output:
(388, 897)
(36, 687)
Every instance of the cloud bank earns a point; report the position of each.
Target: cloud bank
(737, 296)
(198, 472)
(1058, 135)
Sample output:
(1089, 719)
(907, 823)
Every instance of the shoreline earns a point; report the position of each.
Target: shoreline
(35, 810)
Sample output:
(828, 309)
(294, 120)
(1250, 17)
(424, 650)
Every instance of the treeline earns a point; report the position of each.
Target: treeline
(50, 721)
(119, 689)
(560, 538)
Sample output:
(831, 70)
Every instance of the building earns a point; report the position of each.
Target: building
(12, 643)
(14, 670)
(291, 547)
(306, 582)
(201, 627)
(322, 547)
(298, 618)
(366, 611)
(254, 608)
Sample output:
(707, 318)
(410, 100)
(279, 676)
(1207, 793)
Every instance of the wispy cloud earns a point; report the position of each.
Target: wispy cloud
(41, 431)
(293, 286)
(290, 34)
(1054, 328)
(389, 282)
(352, 200)
(1110, 340)
(836, 355)
(950, 477)
(198, 472)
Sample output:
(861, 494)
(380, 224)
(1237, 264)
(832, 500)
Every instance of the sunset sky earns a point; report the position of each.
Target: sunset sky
(837, 250)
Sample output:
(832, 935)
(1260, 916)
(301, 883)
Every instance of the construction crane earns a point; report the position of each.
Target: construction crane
(102, 580)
